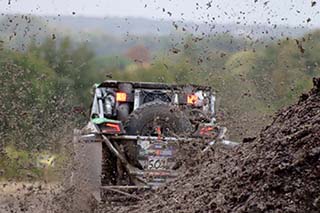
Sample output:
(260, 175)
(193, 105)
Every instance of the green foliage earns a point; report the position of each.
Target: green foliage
(18, 164)
(105, 64)
(256, 80)
(40, 88)
(27, 88)
(72, 63)
(42, 85)
(241, 63)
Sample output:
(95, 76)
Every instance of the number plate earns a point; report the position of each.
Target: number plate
(156, 163)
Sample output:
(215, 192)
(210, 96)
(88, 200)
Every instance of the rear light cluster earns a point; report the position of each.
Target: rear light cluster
(121, 97)
(112, 128)
(207, 130)
(197, 99)
(192, 99)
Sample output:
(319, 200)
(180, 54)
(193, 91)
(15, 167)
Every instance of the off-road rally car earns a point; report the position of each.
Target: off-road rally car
(139, 128)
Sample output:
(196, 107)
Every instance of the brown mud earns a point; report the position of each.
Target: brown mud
(279, 171)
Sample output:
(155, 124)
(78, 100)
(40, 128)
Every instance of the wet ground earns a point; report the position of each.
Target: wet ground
(27, 197)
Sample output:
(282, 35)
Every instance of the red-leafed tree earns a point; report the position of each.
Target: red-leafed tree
(139, 54)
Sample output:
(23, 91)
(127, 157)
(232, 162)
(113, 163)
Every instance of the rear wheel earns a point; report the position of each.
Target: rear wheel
(153, 118)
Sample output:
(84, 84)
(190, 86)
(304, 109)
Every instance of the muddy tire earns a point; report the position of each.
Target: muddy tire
(170, 119)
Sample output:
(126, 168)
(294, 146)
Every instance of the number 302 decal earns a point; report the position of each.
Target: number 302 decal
(157, 164)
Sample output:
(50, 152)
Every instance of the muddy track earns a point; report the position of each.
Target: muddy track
(278, 171)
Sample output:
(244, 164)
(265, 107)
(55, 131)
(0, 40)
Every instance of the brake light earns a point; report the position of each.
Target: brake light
(206, 130)
(192, 99)
(115, 127)
(121, 97)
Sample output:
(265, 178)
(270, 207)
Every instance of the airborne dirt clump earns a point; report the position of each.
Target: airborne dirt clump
(277, 172)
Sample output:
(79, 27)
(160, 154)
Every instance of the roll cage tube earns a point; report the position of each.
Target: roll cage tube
(100, 92)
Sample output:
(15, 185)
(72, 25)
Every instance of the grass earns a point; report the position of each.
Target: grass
(22, 165)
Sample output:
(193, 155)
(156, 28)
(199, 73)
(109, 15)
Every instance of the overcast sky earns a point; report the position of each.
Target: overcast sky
(290, 12)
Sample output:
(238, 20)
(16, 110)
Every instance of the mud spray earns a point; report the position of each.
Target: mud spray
(78, 177)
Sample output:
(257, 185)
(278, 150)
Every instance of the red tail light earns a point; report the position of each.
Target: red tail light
(112, 128)
(121, 97)
(116, 127)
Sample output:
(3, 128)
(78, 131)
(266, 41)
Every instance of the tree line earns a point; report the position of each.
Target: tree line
(49, 84)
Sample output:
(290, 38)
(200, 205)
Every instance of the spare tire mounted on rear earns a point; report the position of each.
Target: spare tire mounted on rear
(154, 117)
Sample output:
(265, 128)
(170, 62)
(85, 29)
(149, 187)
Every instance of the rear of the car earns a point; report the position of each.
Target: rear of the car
(116, 101)
(141, 125)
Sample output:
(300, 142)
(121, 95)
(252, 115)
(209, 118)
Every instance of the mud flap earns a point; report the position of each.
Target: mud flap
(87, 166)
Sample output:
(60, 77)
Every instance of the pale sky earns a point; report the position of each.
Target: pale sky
(290, 12)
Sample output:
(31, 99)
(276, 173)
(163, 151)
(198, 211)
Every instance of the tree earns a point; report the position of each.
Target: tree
(139, 54)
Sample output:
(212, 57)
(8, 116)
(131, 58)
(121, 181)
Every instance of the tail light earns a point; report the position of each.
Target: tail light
(192, 99)
(115, 127)
(207, 130)
(112, 128)
(121, 96)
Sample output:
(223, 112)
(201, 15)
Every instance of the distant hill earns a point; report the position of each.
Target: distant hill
(142, 26)
(114, 35)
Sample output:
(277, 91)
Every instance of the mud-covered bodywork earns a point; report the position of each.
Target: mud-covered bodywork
(122, 111)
